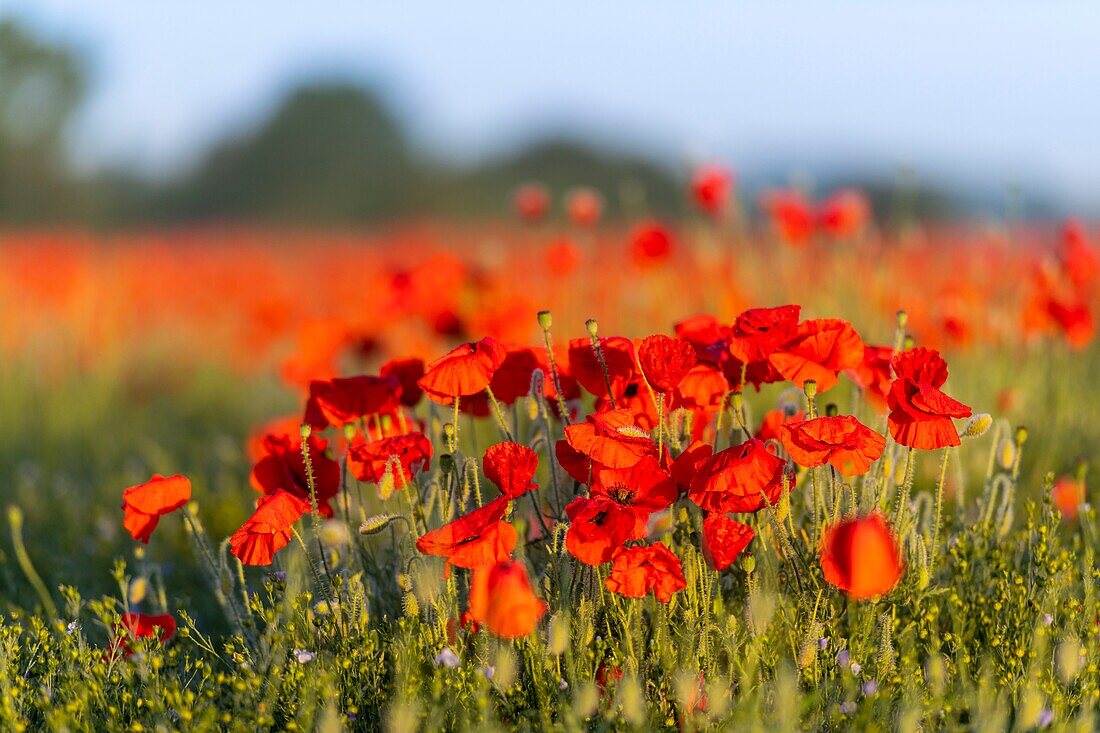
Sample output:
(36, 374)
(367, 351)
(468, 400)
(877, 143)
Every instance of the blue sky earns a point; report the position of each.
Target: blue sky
(990, 90)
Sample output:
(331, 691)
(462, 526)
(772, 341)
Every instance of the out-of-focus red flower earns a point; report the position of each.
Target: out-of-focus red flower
(742, 478)
(771, 422)
(610, 439)
(447, 323)
(475, 539)
(710, 190)
(638, 571)
(144, 504)
(861, 557)
(562, 257)
(665, 361)
(143, 626)
(319, 343)
(1074, 319)
(407, 372)
(819, 349)
(288, 426)
(268, 530)
(791, 217)
(512, 379)
(618, 355)
(1068, 494)
(873, 374)
(650, 244)
(843, 442)
(598, 527)
(921, 414)
(511, 467)
(1080, 263)
(584, 206)
(531, 201)
(724, 539)
(501, 598)
(844, 214)
(345, 399)
(463, 371)
(400, 456)
(282, 467)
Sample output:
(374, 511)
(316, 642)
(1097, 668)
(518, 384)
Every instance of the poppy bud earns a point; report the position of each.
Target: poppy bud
(831, 410)
(591, 326)
(447, 462)
(411, 606)
(903, 318)
(977, 425)
(749, 564)
(545, 320)
(1006, 456)
(306, 429)
(349, 431)
(909, 342)
(1021, 435)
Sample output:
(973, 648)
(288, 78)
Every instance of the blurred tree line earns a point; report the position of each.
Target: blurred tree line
(331, 152)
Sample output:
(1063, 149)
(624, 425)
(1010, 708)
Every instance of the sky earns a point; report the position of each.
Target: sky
(992, 91)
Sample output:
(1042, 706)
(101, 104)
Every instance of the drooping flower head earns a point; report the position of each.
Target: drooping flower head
(638, 571)
(145, 503)
(511, 467)
(742, 478)
(861, 557)
(920, 413)
(268, 530)
(665, 361)
(463, 371)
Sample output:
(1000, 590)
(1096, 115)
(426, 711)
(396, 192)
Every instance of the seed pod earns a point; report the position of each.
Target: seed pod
(977, 425)
(591, 326)
(375, 524)
(546, 319)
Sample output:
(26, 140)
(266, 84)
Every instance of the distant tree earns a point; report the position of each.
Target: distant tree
(330, 152)
(41, 86)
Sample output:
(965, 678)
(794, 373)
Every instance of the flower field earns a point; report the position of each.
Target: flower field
(773, 466)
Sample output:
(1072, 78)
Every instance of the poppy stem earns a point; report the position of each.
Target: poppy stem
(603, 362)
(15, 519)
(939, 507)
(501, 422)
(544, 322)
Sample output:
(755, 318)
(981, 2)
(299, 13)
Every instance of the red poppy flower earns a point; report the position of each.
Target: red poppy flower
(584, 207)
(531, 201)
(710, 190)
(724, 540)
(407, 372)
(463, 371)
(743, 478)
(773, 419)
(144, 504)
(562, 257)
(920, 414)
(707, 336)
(611, 439)
(861, 557)
(644, 487)
(268, 530)
(819, 350)
(618, 354)
(702, 388)
(143, 626)
(637, 400)
(638, 571)
(873, 374)
(402, 456)
(447, 323)
(665, 361)
(1068, 494)
(511, 467)
(345, 399)
(599, 527)
(576, 464)
(512, 379)
(791, 217)
(650, 243)
(1074, 319)
(844, 214)
(843, 442)
(686, 465)
(501, 598)
(756, 334)
(475, 539)
(282, 467)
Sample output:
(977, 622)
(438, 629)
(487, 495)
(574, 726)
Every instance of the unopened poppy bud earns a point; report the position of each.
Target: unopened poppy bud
(447, 462)
(592, 327)
(832, 410)
(1021, 435)
(411, 605)
(749, 563)
(532, 408)
(448, 430)
(810, 387)
(977, 425)
(137, 590)
(375, 524)
(306, 430)
(349, 431)
(909, 342)
(139, 553)
(923, 578)
(404, 582)
(737, 400)
(903, 318)
(1006, 456)
(545, 320)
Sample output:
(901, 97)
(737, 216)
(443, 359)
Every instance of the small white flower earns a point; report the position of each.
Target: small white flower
(1047, 619)
(72, 627)
(563, 685)
(447, 658)
(856, 668)
(303, 656)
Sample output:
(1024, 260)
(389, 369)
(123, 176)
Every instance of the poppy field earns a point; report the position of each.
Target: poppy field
(771, 465)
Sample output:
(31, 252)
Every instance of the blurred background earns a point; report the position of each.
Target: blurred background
(126, 112)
